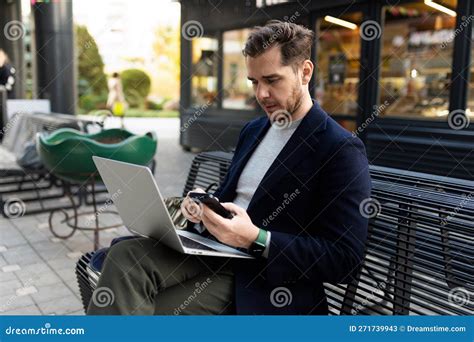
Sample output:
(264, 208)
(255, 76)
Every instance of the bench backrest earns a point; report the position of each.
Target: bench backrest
(206, 169)
(421, 145)
(419, 255)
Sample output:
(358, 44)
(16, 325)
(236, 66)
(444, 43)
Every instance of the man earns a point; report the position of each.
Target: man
(295, 184)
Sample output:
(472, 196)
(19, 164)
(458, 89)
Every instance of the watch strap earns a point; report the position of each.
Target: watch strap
(262, 237)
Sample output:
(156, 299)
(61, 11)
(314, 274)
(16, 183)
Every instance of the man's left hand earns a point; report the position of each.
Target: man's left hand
(237, 232)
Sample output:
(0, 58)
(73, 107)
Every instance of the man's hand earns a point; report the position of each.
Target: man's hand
(190, 209)
(237, 232)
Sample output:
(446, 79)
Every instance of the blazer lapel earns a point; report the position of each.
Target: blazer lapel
(254, 139)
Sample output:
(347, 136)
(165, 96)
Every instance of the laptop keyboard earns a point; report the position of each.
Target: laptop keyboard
(188, 243)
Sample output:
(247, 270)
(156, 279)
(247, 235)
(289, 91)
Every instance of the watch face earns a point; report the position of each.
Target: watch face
(256, 249)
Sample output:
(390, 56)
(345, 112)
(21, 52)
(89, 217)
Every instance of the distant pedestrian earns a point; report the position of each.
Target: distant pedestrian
(116, 99)
(7, 74)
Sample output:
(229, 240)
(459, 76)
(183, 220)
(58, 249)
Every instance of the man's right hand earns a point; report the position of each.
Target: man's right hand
(190, 209)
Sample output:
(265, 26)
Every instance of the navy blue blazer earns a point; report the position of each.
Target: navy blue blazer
(309, 199)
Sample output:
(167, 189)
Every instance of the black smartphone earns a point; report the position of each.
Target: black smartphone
(211, 202)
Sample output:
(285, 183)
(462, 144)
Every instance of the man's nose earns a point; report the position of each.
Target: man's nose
(262, 92)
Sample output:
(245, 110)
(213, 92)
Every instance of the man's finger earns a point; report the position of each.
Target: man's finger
(211, 227)
(233, 207)
(189, 216)
(212, 216)
(194, 220)
(184, 209)
(194, 208)
(191, 210)
(197, 190)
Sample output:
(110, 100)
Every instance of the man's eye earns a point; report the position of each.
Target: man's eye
(271, 81)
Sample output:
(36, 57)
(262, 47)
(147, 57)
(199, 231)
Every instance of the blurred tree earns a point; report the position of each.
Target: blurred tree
(91, 77)
(136, 86)
(166, 47)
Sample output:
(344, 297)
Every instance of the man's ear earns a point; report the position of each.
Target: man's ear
(307, 71)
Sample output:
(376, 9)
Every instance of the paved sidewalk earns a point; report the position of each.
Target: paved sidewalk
(37, 270)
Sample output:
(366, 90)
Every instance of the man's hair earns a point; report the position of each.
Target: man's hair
(295, 41)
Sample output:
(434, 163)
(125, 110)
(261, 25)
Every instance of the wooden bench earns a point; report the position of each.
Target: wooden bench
(419, 257)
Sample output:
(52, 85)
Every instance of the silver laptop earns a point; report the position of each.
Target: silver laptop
(139, 202)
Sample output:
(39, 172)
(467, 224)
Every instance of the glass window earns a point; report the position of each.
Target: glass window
(238, 92)
(204, 75)
(470, 93)
(417, 60)
(338, 64)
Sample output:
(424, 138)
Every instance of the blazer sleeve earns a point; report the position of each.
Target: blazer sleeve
(334, 253)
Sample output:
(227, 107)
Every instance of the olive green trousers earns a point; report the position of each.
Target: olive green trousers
(143, 277)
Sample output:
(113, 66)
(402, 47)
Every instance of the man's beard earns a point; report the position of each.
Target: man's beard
(292, 104)
(295, 100)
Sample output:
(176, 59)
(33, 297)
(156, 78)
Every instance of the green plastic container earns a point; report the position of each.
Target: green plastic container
(68, 153)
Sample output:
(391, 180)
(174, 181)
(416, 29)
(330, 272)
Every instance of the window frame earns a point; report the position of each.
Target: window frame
(336, 12)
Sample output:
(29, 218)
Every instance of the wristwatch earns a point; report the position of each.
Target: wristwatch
(257, 247)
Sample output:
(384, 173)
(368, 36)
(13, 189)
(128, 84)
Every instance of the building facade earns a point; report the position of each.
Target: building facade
(395, 73)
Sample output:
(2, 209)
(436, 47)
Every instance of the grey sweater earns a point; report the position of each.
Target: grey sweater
(257, 166)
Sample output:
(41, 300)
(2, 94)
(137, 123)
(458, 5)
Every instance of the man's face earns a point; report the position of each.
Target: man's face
(277, 87)
(3, 58)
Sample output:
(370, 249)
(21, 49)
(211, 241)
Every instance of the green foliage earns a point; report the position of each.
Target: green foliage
(92, 79)
(167, 44)
(166, 49)
(90, 102)
(136, 87)
(140, 113)
(153, 105)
